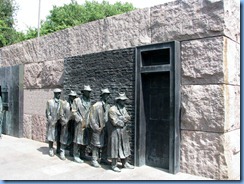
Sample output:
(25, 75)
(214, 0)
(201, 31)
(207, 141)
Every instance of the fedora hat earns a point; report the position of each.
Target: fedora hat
(72, 93)
(87, 88)
(121, 97)
(105, 91)
(57, 90)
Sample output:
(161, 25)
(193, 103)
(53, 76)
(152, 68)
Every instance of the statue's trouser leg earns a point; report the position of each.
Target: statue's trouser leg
(95, 154)
(62, 151)
(114, 162)
(123, 161)
(50, 145)
(71, 149)
(1, 123)
(76, 151)
(83, 152)
(104, 148)
(104, 153)
(58, 147)
(104, 156)
(58, 129)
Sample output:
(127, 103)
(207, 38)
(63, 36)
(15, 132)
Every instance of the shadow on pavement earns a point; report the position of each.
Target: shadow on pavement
(43, 150)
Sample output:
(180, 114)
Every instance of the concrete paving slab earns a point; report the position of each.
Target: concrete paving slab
(25, 159)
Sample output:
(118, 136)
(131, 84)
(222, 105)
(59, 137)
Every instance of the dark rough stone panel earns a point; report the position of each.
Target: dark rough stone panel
(11, 78)
(114, 70)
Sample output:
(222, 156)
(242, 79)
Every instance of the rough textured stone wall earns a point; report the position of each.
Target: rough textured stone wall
(210, 107)
(209, 32)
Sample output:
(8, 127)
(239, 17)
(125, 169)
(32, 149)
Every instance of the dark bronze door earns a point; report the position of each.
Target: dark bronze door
(156, 96)
(157, 111)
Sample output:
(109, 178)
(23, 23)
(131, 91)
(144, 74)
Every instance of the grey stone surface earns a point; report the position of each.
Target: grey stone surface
(86, 38)
(213, 60)
(126, 30)
(232, 152)
(231, 62)
(54, 46)
(39, 127)
(27, 126)
(12, 55)
(35, 127)
(30, 51)
(35, 100)
(187, 19)
(232, 107)
(203, 108)
(52, 73)
(211, 108)
(232, 19)
(177, 20)
(44, 75)
(202, 61)
(23, 52)
(206, 154)
(32, 75)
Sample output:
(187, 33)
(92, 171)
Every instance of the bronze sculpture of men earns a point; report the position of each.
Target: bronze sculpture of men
(80, 109)
(53, 121)
(118, 138)
(1, 116)
(66, 119)
(98, 120)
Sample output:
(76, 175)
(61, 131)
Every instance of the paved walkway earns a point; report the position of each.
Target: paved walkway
(25, 159)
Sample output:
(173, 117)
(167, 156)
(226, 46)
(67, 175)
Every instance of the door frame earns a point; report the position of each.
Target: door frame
(174, 67)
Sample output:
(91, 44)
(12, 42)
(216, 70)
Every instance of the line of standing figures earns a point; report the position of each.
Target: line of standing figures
(75, 124)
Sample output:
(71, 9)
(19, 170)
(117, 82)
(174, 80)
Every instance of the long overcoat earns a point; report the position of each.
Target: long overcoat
(118, 138)
(66, 118)
(98, 120)
(1, 114)
(80, 110)
(53, 116)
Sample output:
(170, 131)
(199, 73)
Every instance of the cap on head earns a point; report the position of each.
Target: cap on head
(121, 96)
(105, 91)
(72, 93)
(57, 90)
(87, 88)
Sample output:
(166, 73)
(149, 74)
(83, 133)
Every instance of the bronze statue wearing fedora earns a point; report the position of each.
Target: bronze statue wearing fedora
(66, 137)
(118, 138)
(80, 109)
(53, 121)
(98, 121)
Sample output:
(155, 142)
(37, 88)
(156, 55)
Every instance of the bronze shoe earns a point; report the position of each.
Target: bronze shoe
(128, 166)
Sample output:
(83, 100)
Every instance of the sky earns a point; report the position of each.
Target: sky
(27, 15)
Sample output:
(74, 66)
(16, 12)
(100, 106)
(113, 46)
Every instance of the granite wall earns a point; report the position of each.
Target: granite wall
(209, 33)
